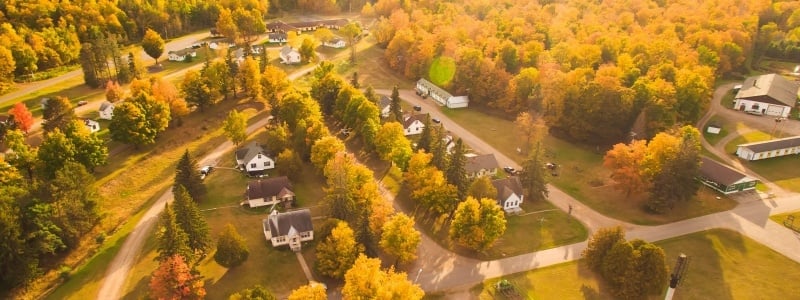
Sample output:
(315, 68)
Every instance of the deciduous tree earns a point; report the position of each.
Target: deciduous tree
(324, 150)
(392, 145)
(75, 201)
(153, 44)
(482, 187)
(274, 83)
(306, 50)
(533, 176)
(164, 91)
(174, 280)
(257, 292)
(366, 280)
(625, 163)
(290, 164)
(139, 120)
(352, 31)
(600, 244)
(58, 112)
(23, 156)
(338, 252)
(114, 92)
(400, 239)
(235, 127)
(278, 138)
(312, 291)
(23, 119)
(533, 130)
(232, 249)
(196, 90)
(478, 224)
(55, 151)
(250, 80)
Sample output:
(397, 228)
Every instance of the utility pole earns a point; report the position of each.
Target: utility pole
(677, 274)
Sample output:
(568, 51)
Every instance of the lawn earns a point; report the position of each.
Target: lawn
(719, 121)
(724, 265)
(750, 137)
(782, 217)
(582, 174)
(372, 68)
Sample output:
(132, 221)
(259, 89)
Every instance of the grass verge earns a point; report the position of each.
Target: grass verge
(719, 121)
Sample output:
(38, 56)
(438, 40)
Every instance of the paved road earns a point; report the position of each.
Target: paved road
(444, 271)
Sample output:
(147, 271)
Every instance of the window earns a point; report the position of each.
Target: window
(754, 106)
(253, 165)
(266, 163)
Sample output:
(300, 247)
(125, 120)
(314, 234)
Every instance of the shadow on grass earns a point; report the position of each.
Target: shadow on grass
(140, 290)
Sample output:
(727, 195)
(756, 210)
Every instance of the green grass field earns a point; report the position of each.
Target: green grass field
(723, 123)
(724, 265)
(581, 173)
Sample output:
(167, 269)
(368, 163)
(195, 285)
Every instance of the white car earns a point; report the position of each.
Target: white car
(205, 170)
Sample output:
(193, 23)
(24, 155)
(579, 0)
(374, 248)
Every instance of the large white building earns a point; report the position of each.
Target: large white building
(426, 88)
(769, 94)
(769, 149)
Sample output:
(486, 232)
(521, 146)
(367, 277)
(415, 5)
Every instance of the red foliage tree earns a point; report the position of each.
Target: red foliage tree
(173, 280)
(22, 116)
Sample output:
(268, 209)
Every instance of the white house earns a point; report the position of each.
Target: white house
(181, 55)
(93, 125)
(335, 43)
(769, 94)
(277, 37)
(426, 88)
(289, 55)
(335, 23)
(253, 158)
(769, 149)
(723, 178)
(106, 110)
(414, 124)
(481, 165)
(271, 191)
(289, 228)
(509, 194)
(385, 106)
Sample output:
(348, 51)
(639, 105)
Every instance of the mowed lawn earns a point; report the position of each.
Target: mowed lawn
(783, 171)
(581, 173)
(274, 268)
(723, 265)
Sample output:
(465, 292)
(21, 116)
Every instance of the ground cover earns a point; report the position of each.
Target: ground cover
(724, 125)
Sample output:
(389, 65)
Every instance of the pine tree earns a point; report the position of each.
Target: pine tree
(170, 237)
(394, 107)
(354, 80)
(425, 139)
(456, 171)
(533, 177)
(263, 60)
(439, 148)
(191, 221)
(232, 249)
(188, 176)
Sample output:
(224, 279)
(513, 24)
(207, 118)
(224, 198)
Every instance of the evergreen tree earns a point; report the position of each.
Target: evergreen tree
(232, 249)
(18, 263)
(58, 112)
(533, 177)
(395, 110)
(135, 66)
(75, 201)
(439, 148)
(456, 171)
(425, 139)
(188, 176)
(170, 238)
(87, 66)
(263, 60)
(192, 222)
(354, 80)
(369, 93)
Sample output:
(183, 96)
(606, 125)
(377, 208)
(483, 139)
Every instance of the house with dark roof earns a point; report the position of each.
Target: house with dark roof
(481, 165)
(769, 94)
(769, 149)
(385, 106)
(253, 158)
(278, 37)
(270, 191)
(414, 124)
(289, 228)
(106, 110)
(723, 178)
(426, 89)
(509, 193)
(280, 26)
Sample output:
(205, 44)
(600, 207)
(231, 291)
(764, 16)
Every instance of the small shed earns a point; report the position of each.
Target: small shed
(713, 129)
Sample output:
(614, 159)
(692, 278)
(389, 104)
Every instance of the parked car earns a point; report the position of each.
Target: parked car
(510, 170)
(205, 170)
(417, 108)
(435, 120)
(82, 102)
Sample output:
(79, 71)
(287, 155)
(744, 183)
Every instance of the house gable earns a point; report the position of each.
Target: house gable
(253, 158)
(769, 88)
(481, 165)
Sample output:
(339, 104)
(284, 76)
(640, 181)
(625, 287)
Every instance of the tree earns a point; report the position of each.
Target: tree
(235, 127)
(139, 120)
(226, 25)
(533, 129)
(394, 106)
(310, 291)
(324, 150)
(153, 44)
(533, 176)
(600, 244)
(166, 92)
(7, 66)
(136, 66)
(673, 161)
(456, 170)
(425, 141)
(55, 151)
(324, 35)
(366, 280)
(258, 292)
(290, 164)
(392, 145)
(351, 31)
(196, 90)
(232, 249)
(250, 80)
(192, 222)
(75, 201)
(23, 157)
(400, 239)
(274, 83)
(174, 280)
(482, 187)
(278, 138)
(188, 177)
(306, 50)
(57, 113)
(354, 81)
(250, 23)
(478, 224)
(18, 263)
(22, 116)
(114, 91)
(90, 149)
(170, 238)
(625, 163)
(338, 252)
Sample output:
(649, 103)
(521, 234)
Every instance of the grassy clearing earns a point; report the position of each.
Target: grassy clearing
(782, 217)
(372, 68)
(750, 137)
(721, 122)
(582, 174)
(724, 265)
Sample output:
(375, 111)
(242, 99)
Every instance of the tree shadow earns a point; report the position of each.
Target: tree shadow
(140, 290)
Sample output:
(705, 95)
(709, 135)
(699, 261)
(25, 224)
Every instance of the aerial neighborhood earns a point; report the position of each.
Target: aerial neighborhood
(399, 150)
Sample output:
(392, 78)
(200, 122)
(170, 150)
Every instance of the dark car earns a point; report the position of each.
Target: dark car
(435, 120)
(417, 108)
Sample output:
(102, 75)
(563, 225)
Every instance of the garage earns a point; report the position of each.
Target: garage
(775, 110)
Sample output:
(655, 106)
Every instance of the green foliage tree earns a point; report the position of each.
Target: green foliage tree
(400, 239)
(170, 238)
(257, 292)
(139, 120)
(90, 150)
(153, 44)
(352, 31)
(366, 280)
(174, 280)
(328, 91)
(55, 151)
(232, 250)
(425, 141)
(278, 138)
(290, 164)
(187, 176)
(392, 145)
(533, 176)
(482, 187)
(337, 253)
(18, 263)
(395, 110)
(679, 163)
(192, 222)
(306, 50)
(58, 112)
(600, 244)
(75, 201)
(196, 90)
(235, 127)
(250, 23)
(456, 169)
(23, 156)
(478, 224)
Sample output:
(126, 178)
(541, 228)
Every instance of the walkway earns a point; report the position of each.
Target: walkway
(303, 265)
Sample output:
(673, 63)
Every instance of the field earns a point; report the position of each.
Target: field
(724, 265)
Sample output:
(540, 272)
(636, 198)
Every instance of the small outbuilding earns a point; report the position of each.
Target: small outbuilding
(723, 178)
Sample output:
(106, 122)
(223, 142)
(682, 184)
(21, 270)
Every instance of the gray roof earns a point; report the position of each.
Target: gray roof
(434, 88)
(385, 101)
(286, 50)
(507, 186)
(778, 144)
(281, 223)
(769, 88)
(409, 119)
(247, 153)
(720, 173)
(266, 188)
(478, 162)
(105, 105)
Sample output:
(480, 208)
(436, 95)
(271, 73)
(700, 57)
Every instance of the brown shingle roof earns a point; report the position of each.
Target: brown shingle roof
(720, 173)
(409, 119)
(267, 188)
(778, 144)
(507, 186)
(478, 162)
(769, 88)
